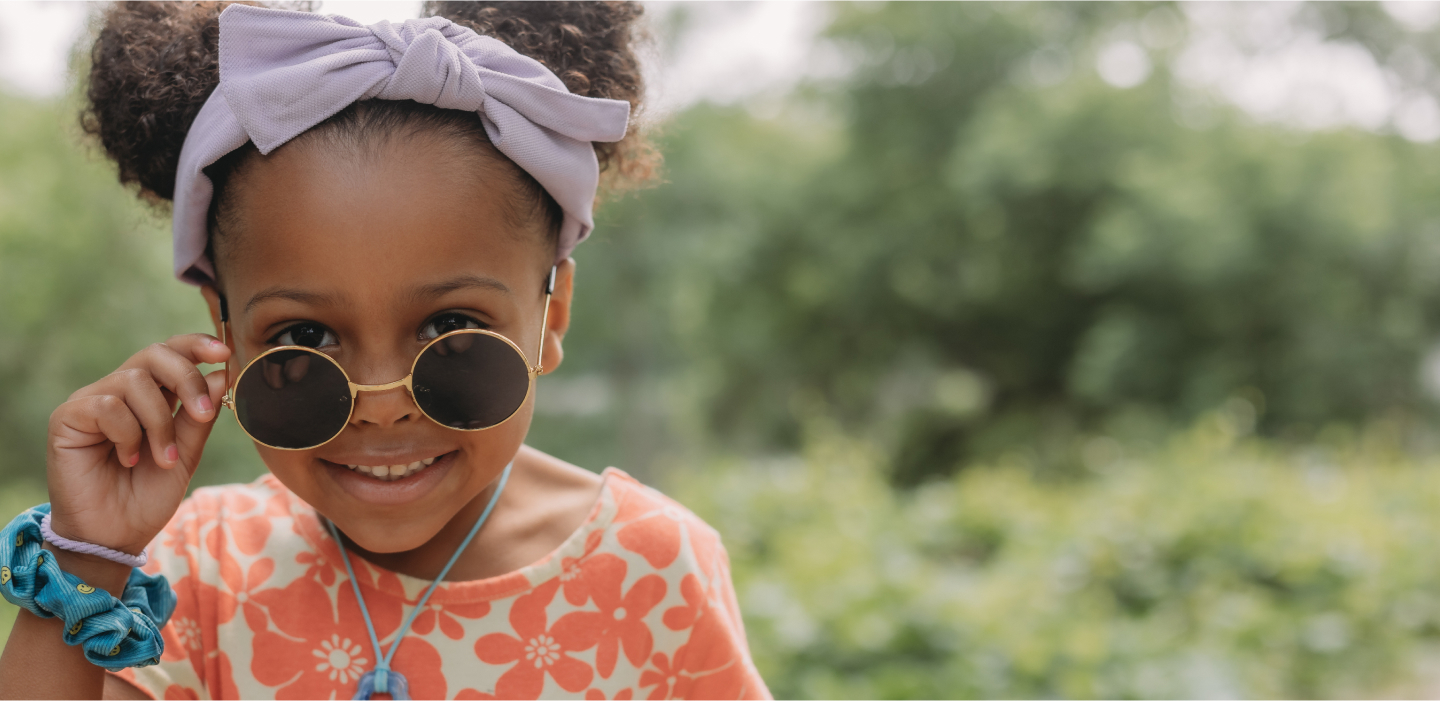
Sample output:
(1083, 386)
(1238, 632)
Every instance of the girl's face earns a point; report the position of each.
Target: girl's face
(367, 258)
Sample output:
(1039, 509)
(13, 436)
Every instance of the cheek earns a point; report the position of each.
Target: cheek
(494, 447)
(486, 453)
(296, 469)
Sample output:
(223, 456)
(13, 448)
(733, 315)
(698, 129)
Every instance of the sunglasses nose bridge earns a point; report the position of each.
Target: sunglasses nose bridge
(405, 382)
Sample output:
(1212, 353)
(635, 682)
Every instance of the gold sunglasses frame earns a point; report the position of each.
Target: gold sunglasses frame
(532, 371)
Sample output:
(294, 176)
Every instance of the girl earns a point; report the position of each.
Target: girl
(380, 220)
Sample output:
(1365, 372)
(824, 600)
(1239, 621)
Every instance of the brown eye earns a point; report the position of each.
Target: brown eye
(447, 322)
(307, 334)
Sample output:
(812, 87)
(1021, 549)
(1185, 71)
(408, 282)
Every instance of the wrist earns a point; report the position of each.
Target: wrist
(94, 570)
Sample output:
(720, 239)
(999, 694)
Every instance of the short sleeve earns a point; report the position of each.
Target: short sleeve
(715, 660)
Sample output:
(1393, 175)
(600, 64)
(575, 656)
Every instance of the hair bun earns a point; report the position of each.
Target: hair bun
(591, 47)
(152, 67)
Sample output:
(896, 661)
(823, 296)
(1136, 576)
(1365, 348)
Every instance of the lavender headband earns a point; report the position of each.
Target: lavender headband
(282, 72)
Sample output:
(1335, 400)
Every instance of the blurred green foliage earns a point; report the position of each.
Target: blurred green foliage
(955, 251)
(969, 251)
(84, 283)
(1214, 566)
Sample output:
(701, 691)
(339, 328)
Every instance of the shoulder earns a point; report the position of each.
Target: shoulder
(637, 500)
(660, 529)
(214, 519)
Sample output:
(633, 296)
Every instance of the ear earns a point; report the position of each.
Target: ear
(558, 321)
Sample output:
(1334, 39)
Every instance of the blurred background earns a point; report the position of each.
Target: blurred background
(1016, 350)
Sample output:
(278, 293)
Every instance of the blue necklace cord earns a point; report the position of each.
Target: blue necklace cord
(382, 679)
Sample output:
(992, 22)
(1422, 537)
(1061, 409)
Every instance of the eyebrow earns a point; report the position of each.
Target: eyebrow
(462, 282)
(316, 299)
(424, 292)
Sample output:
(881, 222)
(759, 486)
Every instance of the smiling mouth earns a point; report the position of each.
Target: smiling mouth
(390, 473)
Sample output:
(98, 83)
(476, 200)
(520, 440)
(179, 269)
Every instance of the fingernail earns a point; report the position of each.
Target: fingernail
(215, 343)
(133, 461)
(204, 405)
(172, 453)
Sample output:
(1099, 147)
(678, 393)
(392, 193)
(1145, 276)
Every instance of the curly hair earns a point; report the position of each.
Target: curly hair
(153, 65)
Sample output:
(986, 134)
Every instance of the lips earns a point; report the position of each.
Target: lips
(415, 479)
(390, 473)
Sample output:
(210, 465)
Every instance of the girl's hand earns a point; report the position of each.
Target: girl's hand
(119, 457)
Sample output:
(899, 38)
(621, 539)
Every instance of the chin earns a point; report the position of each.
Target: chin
(398, 509)
(378, 537)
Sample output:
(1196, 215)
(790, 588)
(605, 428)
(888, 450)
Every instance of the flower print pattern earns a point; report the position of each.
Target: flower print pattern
(186, 637)
(286, 658)
(187, 634)
(448, 617)
(653, 532)
(598, 695)
(175, 691)
(667, 679)
(473, 694)
(340, 658)
(706, 666)
(637, 602)
(239, 586)
(682, 617)
(177, 536)
(537, 650)
(322, 563)
(244, 528)
(317, 567)
(571, 570)
(621, 619)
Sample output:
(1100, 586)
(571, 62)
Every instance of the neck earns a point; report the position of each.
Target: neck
(426, 561)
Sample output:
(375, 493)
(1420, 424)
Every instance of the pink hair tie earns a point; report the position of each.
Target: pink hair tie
(76, 546)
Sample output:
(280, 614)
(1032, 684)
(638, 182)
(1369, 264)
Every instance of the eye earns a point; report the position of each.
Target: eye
(445, 323)
(308, 334)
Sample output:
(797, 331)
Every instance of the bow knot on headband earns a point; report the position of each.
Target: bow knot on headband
(283, 72)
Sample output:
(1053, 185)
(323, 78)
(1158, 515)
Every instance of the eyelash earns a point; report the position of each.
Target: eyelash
(325, 333)
(465, 321)
(461, 321)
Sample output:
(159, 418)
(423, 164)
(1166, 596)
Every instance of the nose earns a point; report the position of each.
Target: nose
(384, 407)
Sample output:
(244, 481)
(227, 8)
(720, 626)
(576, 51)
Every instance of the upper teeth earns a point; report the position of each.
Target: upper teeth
(392, 472)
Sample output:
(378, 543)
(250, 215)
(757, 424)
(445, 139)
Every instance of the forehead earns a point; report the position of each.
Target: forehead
(374, 221)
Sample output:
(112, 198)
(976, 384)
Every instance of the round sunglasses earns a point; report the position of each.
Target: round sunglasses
(297, 398)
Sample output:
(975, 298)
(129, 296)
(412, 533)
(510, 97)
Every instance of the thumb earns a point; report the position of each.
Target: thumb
(190, 434)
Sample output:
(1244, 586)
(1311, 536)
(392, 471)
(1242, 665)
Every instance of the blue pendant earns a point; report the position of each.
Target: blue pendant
(383, 681)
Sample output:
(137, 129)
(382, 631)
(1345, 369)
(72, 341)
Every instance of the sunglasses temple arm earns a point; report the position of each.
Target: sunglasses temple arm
(544, 327)
(545, 322)
(226, 399)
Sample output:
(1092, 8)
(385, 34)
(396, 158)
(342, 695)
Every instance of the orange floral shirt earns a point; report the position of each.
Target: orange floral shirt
(637, 603)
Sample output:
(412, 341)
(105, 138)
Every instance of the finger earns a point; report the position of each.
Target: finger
(107, 416)
(190, 434)
(199, 348)
(120, 426)
(175, 371)
(195, 347)
(137, 387)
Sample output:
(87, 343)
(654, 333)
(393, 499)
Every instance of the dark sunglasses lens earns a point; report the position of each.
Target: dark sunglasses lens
(470, 381)
(293, 399)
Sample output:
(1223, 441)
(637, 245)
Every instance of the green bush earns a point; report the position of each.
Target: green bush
(1216, 565)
